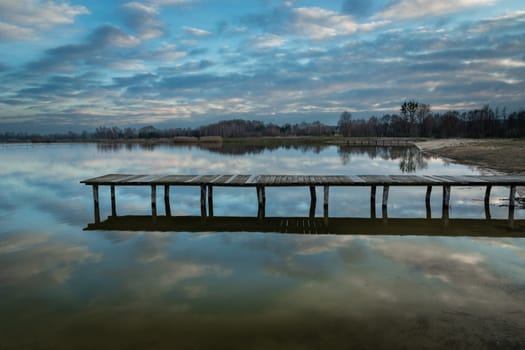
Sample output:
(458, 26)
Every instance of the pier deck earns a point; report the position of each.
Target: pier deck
(260, 182)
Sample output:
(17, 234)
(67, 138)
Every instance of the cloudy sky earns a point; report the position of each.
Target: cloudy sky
(77, 64)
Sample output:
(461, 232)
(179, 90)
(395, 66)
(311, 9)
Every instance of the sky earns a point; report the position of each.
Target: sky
(78, 64)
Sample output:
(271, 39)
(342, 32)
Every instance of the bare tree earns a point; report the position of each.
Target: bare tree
(345, 124)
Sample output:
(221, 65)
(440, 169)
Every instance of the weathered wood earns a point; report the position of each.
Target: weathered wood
(261, 199)
(427, 202)
(512, 196)
(325, 202)
(446, 196)
(210, 200)
(487, 194)
(153, 200)
(260, 181)
(167, 206)
(511, 217)
(428, 209)
(113, 202)
(487, 211)
(294, 180)
(96, 204)
(203, 201)
(385, 195)
(427, 196)
(313, 201)
(373, 191)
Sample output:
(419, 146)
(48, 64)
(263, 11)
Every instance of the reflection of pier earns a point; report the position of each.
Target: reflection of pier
(341, 226)
(260, 182)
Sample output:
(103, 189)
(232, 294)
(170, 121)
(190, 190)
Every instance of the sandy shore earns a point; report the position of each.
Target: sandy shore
(494, 155)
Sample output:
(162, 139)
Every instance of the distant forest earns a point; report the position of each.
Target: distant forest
(414, 120)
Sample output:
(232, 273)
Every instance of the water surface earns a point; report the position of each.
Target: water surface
(63, 287)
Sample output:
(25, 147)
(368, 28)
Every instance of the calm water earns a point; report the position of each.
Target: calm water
(62, 287)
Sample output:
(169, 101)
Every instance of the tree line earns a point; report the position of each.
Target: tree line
(414, 120)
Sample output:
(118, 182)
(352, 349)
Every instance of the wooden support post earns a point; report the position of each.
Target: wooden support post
(446, 204)
(385, 195)
(261, 200)
(445, 215)
(210, 200)
(487, 211)
(427, 196)
(384, 212)
(313, 201)
(487, 194)
(325, 203)
(427, 202)
(446, 196)
(154, 200)
(511, 217)
(167, 200)
(203, 201)
(96, 204)
(512, 196)
(373, 202)
(113, 202)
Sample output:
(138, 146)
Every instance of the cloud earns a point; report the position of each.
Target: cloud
(14, 32)
(357, 7)
(314, 23)
(143, 20)
(266, 41)
(409, 9)
(67, 57)
(38, 259)
(111, 36)
(512, 19)
(172, 2)
(196, 31)
(20, 19)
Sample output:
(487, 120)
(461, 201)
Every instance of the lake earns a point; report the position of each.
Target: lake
(63, 287)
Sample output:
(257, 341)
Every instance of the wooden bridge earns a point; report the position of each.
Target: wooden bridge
(260, 182)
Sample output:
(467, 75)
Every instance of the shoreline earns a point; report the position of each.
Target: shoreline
(496, 156)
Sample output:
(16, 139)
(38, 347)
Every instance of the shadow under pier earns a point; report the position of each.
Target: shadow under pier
(306, 225)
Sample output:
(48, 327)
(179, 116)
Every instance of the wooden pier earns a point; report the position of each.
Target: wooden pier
(261, 182)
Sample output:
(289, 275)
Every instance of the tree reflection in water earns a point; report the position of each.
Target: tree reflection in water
(410, 158)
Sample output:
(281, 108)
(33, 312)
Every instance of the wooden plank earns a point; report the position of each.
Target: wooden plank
(146, 179)
(231, 179)
(296, 180)
(223, 179)
(240, 180)
(101, 179)
(174, 179)
(356, 179)
(206, 179)
(252, 179)
(216, 178)
(194, 179)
